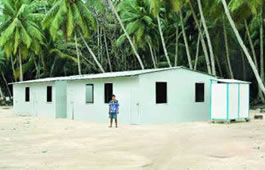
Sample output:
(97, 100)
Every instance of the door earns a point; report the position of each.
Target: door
(34, 103)
(134, 108)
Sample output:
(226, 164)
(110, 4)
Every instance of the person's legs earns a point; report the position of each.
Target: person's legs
(116, 122)
(110, 122)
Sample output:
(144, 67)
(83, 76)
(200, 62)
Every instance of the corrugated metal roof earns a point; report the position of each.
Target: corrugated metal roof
(103, 75)
(232, 81)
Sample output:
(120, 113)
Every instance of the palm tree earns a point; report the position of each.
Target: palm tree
(126, 33)
(72, 17)
(185, 40)
(227, 49)
(208, 37)
(204, 47)
(138, 24)
(19, 31)
(243, 46)
(262, 74)
(252, 10)
(3, 68)
(155, 7)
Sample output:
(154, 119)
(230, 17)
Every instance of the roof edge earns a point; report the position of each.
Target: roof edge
(100, 75)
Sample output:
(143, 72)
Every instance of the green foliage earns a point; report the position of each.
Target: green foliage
(244, 9)
(20, 28)
(69, 16)
(43, 32)
(138, 21)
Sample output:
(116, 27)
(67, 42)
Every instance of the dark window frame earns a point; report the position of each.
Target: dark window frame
(157, 101)
(49, 97)
(92, 94)
(27, 94)
(107, 99)
(199, 99)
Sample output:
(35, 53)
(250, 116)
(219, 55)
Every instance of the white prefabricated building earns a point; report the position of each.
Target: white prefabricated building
(229, 100)
(40, 98)
(149, 96)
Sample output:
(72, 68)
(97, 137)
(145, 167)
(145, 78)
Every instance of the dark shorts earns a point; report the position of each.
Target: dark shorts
(113, 115)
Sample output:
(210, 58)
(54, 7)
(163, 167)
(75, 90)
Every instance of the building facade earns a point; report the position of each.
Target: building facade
(146, 96)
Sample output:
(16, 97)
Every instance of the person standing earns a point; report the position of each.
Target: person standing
(113, 110)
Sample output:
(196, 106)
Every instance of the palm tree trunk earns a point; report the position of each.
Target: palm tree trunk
(152, 55)
(52, 67)
(156, 60)
(207, 37)
(177, 47)
(107, 51)
(219, 66)
(1, 93)
(163, 41)
(251, 44)
(43, 62)
(260, 95)
(261, 51)
(243, 65)
(204, 48)
(261, 59)
(3, 76)
(37, 68)
(127, 35)
(98, 42)
(197, 52)
(78, 57)
(252, 65)
(185, 40)
(20, 66)
(93, 55)
(13, 67)
(227, 51)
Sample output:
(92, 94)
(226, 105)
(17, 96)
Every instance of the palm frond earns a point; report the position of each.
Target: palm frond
(86, 14)
(69, 23)
(154, 7)
(62, 55)
(25, 37)
(47, 20)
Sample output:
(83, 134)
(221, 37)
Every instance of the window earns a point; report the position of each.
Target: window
(108, 92)
(199, 92)
(161, 92)
(49, 93)
(89, 93)
(27, 94)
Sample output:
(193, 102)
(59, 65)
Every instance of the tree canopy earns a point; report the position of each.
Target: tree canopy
(66, 37)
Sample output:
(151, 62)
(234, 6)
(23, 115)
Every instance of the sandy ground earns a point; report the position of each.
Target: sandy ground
(47, 144)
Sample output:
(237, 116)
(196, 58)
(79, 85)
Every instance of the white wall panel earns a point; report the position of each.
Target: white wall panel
(233, 101)
(244, 100)
(219, 105)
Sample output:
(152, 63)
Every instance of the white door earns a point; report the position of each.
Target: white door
(35, 103)
(134, 108)
(135, 113)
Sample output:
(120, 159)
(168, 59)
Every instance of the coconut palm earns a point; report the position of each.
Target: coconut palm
(243, 46)
(207, 36)
(174, 6)
(4, 68)
(126, 34)
(252, 10)
(214, 12)
(72, 17)
(139, 25)
(204, 47)
(185, 39)
(20, 32)
(155, 7)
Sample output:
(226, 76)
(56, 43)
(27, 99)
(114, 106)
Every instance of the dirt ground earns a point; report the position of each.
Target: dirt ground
(47, 144)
